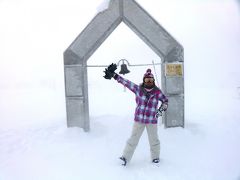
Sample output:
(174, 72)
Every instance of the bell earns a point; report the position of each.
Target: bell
(124, 69)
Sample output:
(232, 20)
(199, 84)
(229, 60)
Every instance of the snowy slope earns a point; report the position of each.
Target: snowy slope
(34, 140)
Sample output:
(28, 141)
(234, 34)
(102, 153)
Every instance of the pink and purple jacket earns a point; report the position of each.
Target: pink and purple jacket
(147, 104)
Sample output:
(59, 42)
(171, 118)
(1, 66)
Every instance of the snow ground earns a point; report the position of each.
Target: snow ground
(49, 150)
(34, 140)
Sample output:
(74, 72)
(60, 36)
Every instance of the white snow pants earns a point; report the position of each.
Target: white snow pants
(138, 128)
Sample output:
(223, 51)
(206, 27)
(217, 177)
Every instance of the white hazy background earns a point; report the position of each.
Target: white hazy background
(34, 140)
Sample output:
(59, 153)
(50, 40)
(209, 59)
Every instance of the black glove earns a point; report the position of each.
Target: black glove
(162, 108)
(109, 71)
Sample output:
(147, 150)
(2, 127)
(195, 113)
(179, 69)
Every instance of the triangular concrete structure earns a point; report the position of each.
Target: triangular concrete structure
(102, 25)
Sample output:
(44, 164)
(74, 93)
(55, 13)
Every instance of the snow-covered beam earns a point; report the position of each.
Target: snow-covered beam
(159, 40)
(101, 26)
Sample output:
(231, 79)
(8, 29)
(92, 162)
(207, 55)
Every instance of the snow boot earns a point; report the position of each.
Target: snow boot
(124, 160)
(156, 160)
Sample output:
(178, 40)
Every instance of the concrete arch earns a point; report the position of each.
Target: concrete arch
(152, 33)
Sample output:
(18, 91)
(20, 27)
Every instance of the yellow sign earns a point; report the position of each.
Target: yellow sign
(173, 69)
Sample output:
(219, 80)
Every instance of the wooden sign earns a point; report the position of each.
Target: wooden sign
(173, 69)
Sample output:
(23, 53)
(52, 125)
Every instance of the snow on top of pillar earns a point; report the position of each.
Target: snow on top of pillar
(103, 6)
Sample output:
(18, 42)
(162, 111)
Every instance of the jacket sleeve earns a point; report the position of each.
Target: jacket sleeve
(130, 85)
(163, 98)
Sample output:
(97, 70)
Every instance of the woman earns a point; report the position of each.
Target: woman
(147, 97)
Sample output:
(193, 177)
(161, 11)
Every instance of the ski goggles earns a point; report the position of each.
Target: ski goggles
(146, 80)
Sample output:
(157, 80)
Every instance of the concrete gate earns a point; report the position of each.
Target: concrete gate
(153, 34)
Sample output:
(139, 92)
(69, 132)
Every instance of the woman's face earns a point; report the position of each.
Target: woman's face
(148, 82)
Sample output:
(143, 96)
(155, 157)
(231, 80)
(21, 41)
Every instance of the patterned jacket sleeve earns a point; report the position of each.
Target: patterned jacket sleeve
(130, 85)
(163, 98)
